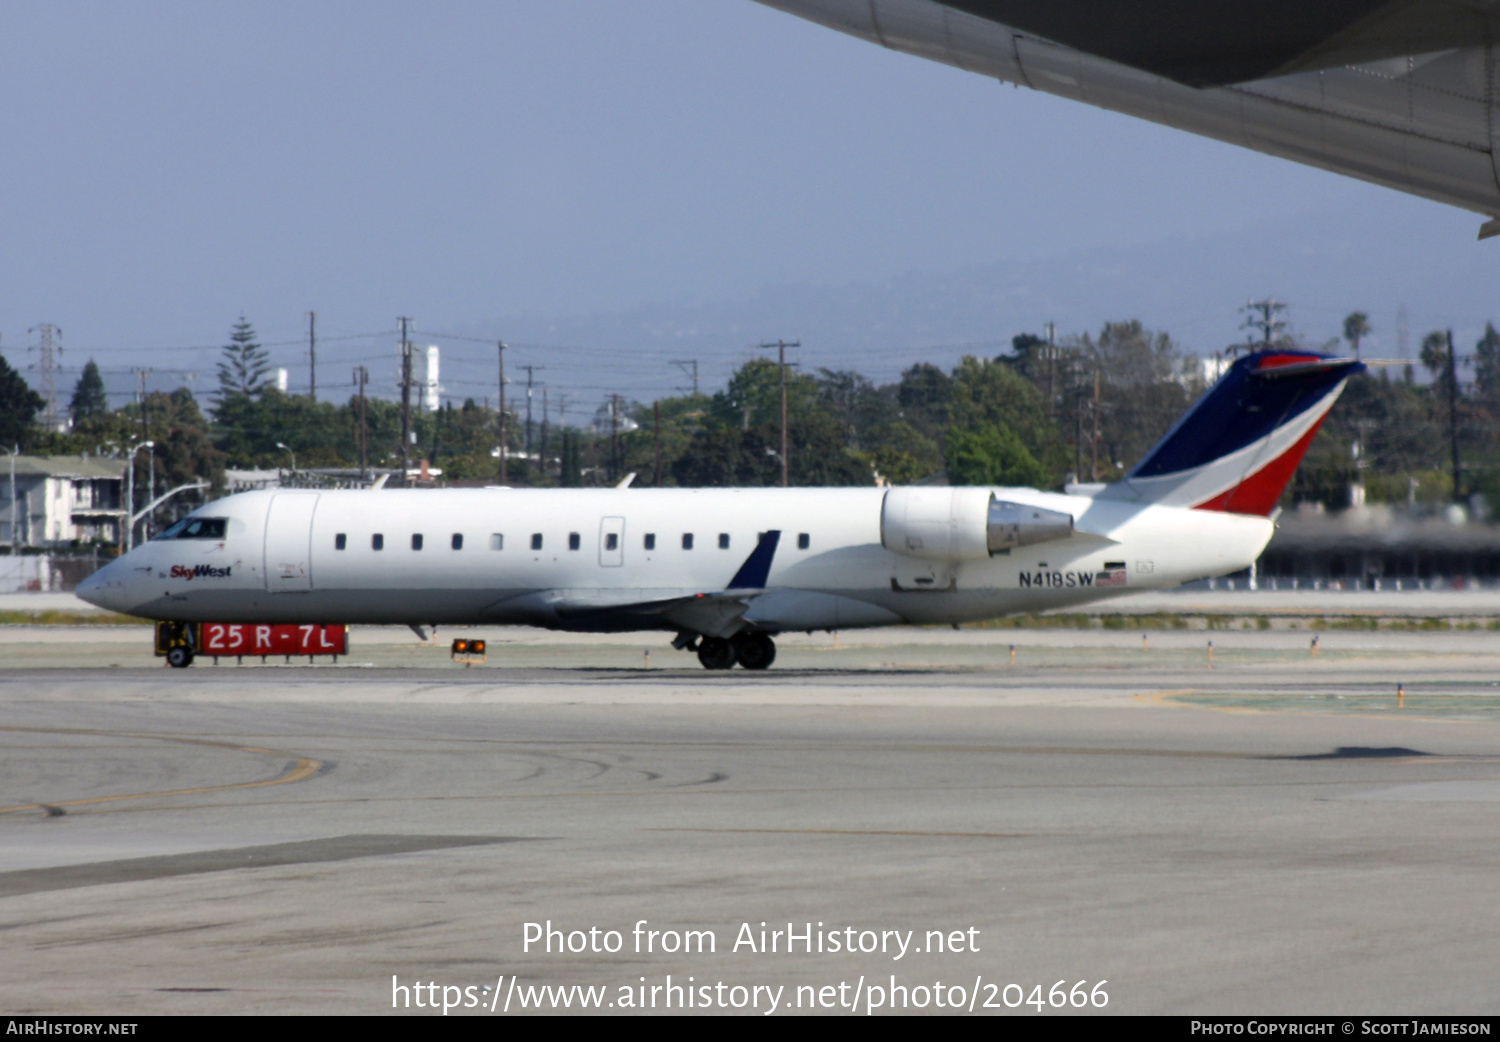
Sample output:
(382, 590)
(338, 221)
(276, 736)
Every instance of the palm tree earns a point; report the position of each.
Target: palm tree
(1356, 328)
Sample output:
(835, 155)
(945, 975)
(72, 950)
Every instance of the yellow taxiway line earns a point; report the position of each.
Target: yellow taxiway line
(302, 768)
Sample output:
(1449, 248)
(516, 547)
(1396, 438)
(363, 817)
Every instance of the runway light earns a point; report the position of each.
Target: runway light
(468, 650)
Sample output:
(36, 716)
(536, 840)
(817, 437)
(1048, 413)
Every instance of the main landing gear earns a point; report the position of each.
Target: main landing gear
(751, 649)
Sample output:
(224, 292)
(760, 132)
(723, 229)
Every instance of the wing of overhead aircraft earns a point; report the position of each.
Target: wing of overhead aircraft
(1397, 92)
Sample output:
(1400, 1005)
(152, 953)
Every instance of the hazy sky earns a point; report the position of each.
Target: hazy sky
(498, 166)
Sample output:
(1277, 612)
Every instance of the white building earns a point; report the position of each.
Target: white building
(54, 501)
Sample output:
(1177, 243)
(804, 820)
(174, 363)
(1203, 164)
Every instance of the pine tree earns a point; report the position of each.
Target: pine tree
(89, 401)
(19, 405)
(246, 363)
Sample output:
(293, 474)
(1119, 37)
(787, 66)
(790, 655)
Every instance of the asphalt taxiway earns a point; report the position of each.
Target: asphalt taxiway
(1266, 830)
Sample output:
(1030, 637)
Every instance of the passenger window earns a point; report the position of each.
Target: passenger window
(536, 540)
(458, 541)
(377, 542)
(497, 541)
(650, 540)
(416, 541)
(723, 540)
(611, 541)
(573, 540)
(687, 540)
(340, 541)
(803, 541)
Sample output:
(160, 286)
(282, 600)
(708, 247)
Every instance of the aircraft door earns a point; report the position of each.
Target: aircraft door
(289, 542)
(612, 542)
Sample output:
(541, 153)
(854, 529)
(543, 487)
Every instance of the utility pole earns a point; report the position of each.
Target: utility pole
(47, 347)
(361, 378)
(1095, 441)
(614, 437)
(541, 454)
(312, 355)
(1052, 368)
(1272, 329)
(656, 408)
(1077, 433)
(140, 397)
(504, 432)
(15, 540)
(781, 346)
(405, 398)
(693, 372)
(146, 434)
(530, 379)
(150, 492)
(1453, 413)
(130, 492)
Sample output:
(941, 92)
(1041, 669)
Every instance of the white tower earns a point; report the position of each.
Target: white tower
(430, 395)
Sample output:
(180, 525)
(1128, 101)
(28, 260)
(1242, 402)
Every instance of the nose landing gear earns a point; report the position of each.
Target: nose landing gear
(177, 642)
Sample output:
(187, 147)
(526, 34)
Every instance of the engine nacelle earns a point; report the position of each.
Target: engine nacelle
(963, 524)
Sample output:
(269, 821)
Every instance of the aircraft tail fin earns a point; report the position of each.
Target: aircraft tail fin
(1237, 447)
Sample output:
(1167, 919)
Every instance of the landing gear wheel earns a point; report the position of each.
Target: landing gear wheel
(715, 653)
(179, 658)
(754, 650)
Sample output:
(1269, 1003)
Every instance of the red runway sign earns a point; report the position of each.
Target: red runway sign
(219, 638)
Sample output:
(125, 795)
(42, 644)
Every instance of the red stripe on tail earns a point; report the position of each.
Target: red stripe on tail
(1258, 493)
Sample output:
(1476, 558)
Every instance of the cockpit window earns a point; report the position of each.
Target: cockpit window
(197, 528)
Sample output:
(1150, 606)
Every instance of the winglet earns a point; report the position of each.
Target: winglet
(757, 567)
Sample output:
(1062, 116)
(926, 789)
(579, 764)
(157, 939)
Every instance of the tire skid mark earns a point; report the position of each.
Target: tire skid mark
(299, 769)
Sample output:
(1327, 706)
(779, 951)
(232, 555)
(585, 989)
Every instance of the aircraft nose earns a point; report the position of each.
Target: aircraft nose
(105, 588)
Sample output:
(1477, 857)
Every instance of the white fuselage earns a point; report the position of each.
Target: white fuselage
(589, 559)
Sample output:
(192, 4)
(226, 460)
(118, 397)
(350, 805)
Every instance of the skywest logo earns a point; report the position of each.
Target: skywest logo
(200, 571)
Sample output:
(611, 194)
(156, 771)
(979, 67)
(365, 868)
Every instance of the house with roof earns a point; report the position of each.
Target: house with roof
(58, 501)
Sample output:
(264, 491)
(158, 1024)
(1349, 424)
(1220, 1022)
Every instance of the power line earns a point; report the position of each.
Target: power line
(148, 348)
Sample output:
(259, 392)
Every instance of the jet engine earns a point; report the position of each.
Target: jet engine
(963, 524)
